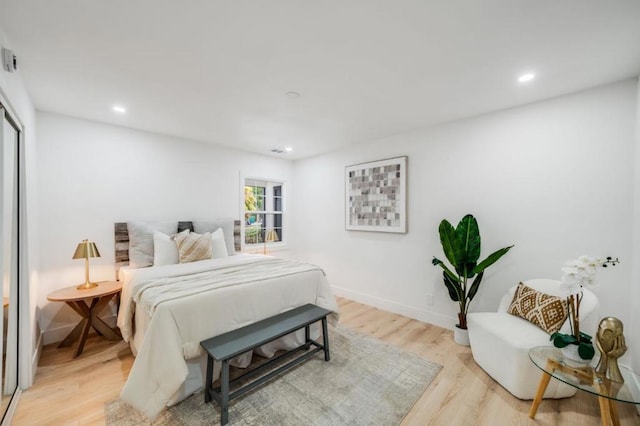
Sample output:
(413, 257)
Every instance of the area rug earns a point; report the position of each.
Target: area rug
(367, 382)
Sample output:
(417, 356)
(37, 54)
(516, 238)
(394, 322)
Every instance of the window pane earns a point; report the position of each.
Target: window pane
(254, 198)
(258, 192)
(254, 229)
(277, 198)
(249, 199)
(271, 226)
(277, 225)
(251, 234)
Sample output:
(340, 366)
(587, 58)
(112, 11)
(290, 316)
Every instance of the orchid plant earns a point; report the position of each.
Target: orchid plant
(576, 274)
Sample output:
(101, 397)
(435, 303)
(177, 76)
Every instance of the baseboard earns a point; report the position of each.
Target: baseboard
(54, 335)
(440, 320)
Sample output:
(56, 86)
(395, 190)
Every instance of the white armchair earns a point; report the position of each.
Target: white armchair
(500, 342)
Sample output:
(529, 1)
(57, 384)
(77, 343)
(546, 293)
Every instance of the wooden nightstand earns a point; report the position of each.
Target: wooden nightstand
(88, 304)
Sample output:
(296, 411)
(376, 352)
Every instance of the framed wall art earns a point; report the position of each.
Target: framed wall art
(376, 196)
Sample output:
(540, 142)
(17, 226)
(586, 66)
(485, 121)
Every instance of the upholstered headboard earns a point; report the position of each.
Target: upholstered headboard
(122, 240)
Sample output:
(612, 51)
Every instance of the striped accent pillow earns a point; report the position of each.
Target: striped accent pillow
(546, 311)
(193, 247)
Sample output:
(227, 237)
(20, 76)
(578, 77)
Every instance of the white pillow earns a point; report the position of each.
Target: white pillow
(165, 250)
(141, 240)
(209, 226)
(218, 244)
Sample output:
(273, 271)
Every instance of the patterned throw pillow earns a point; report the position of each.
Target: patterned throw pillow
(193, 247)
(546, 311)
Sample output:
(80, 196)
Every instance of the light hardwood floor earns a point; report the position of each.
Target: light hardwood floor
(73, 392)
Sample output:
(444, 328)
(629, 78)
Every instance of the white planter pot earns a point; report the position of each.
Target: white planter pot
(461, 336)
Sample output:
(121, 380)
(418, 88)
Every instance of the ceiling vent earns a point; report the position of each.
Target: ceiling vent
(9, 60)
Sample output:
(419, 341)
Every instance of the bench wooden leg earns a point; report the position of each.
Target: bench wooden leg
(307, 338)
(208, 379)
(325, 335)
(224, 389)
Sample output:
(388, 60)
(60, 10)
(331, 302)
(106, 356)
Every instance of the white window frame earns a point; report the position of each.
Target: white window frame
(271, 182)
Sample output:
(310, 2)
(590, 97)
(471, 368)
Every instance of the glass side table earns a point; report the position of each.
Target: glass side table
(550, 360)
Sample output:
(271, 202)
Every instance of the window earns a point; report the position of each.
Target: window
(263, 212)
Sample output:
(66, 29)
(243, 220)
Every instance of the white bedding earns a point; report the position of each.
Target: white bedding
(177, 306)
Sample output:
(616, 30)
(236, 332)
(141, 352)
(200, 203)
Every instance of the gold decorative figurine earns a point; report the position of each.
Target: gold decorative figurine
(611, 344)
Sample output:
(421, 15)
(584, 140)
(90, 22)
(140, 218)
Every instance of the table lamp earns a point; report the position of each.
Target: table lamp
(270, 237)
(85, 250)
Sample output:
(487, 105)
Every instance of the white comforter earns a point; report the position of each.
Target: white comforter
(177, 306)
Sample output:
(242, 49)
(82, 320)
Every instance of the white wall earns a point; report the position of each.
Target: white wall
(554, 178)
(92, 175)
(632, 330)
(13, 90)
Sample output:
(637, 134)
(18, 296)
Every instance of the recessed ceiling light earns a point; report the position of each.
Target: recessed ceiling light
(119, 109)
(292, 95)
(288, 149)
(524, 78)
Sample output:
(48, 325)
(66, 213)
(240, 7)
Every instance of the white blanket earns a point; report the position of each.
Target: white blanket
(185, 304)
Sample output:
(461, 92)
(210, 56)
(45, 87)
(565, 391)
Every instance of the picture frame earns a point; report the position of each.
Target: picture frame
(376, 196)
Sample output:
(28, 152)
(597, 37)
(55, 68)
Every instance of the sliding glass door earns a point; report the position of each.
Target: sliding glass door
(9, 260)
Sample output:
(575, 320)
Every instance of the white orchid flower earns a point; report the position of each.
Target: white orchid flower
(580, 272)
(575, 275)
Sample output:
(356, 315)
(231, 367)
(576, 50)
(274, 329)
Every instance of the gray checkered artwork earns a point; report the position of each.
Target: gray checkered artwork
(376, 196)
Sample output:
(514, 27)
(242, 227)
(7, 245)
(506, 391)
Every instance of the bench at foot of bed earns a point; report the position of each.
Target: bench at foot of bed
(229, 345)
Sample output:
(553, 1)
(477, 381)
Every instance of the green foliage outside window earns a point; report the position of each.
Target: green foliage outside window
(253, 198)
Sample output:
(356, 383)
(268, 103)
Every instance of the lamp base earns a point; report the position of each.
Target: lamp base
(86, 286)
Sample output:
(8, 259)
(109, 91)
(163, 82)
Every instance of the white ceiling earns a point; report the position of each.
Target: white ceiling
(218, 71)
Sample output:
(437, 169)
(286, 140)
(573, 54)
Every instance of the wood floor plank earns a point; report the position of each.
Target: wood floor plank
(71, 391)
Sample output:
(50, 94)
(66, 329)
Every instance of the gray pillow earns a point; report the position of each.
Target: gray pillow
(141, 240)
(210, 226)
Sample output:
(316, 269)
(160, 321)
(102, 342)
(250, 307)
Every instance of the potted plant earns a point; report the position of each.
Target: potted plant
(461, 246)
(577, 346)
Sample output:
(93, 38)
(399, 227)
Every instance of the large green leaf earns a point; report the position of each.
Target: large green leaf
(438, 262)
(447, 239)
(455, 289)
(560, 340)
(467, 242)
(491, 259)
(585, 350)
(474, 286)
(471, 269)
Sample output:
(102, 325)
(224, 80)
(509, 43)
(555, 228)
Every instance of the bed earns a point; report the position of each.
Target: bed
(165, 311)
